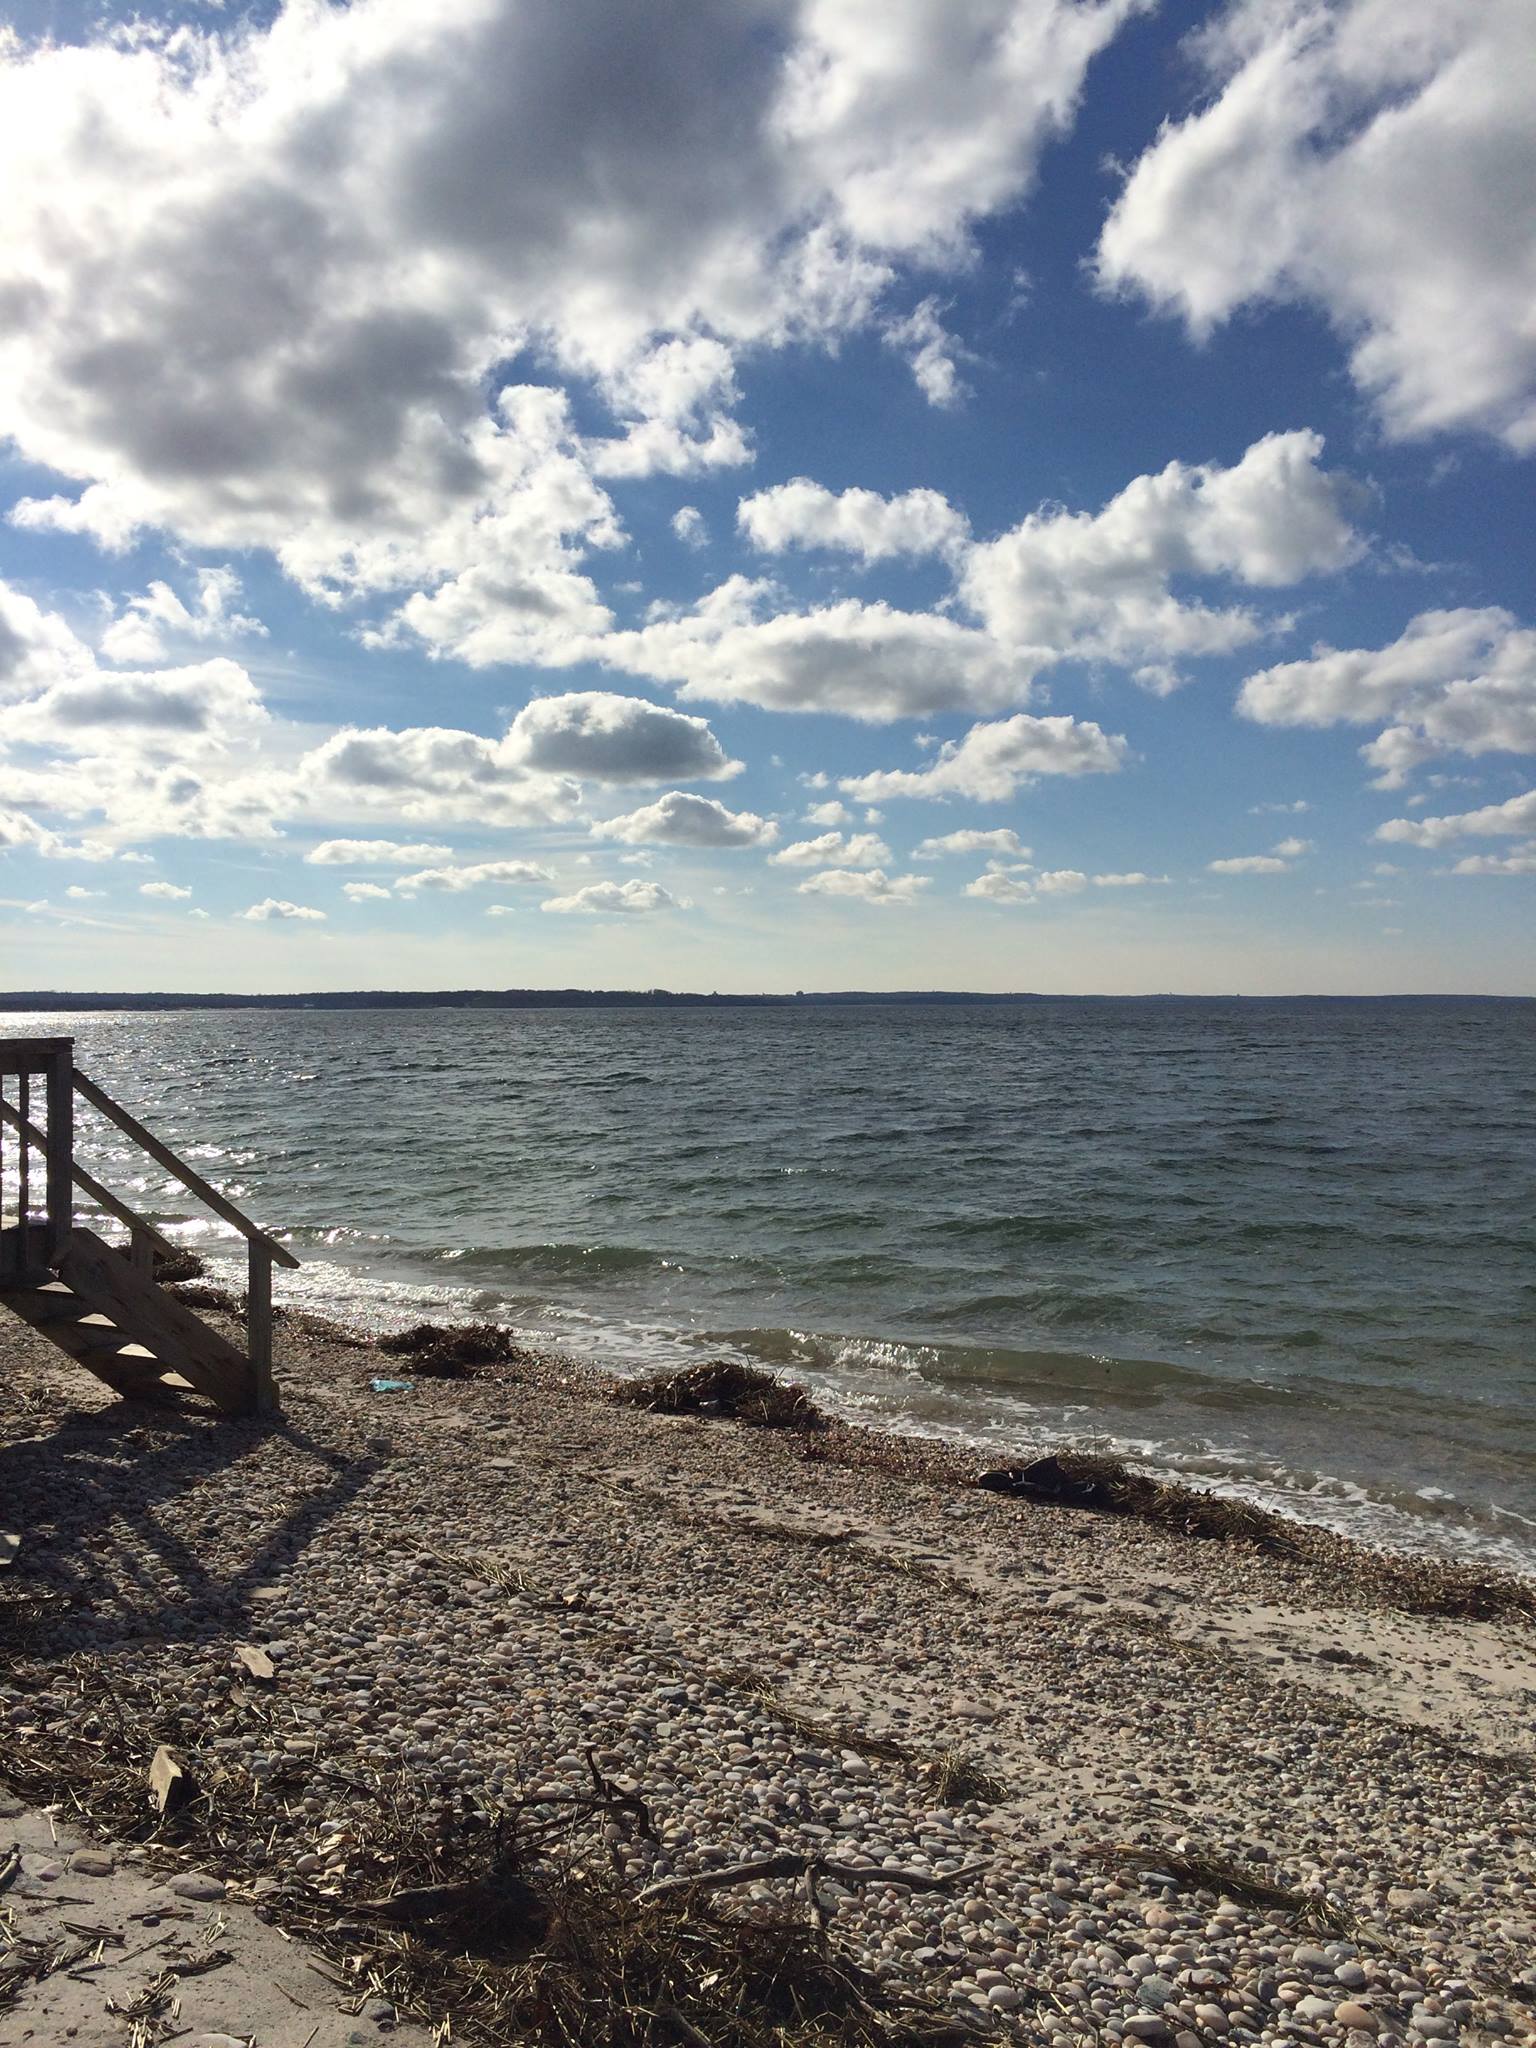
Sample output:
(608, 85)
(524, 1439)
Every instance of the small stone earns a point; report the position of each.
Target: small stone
(1147, 2026)
(1315, 2008)
(196, 1884)
(1359, 2018)
(91, 1863)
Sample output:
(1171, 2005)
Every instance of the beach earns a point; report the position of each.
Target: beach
(1027, 1770)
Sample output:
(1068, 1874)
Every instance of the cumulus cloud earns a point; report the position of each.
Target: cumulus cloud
(802, 514)
(1522, 861)
(454, 880)
(865, 661)
(679, 819)
(832, 850)
(601, 737)
(141, 630)
(601, 899)
(997, 887)
(931, 352)
(277, 909)
(200, 708)
(1133, 879)
(1099, 584)
(869, 885)
(1374, 158)
(1250, 864)
(432, 774)
(1461, 681)
(830, 813)
(262, 271)
(1292, 849)
(371, 853)
(1003, 843)
(1517, 814)
(364, 892)
(164, 892)
(993, 761)
(688, 523)
(78, 895)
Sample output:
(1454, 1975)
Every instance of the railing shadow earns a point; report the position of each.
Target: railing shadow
(131, 1529)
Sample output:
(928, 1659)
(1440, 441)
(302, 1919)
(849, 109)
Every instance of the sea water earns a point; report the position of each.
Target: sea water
(1286, 1249)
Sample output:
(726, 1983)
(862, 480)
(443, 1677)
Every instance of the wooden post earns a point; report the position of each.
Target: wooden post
(60, 1155)
(24, 1159)
(141, 1252)
(258, 1327)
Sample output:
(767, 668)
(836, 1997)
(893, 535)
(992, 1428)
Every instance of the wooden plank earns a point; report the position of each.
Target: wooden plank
(258, 1328)
(59, 1152)
(146, 1313)
(30, 1055)
(102, 1197)
(98, 1098)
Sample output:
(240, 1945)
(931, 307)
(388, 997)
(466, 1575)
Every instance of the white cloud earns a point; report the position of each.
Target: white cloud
(454, 880)
(1372, 157)
(1291, 849)
(1279, 810)
(992, 761)
(1099, 584)
(275, 908)
(261, 272)
(1250, 864)
(931, 352)
(375, 853)
(870, 885)
(830, 813)
(1516, 815)
(1002, 842)
(1135, 879)
(429, 773)
(601, 737)
(1521, 861)
(1060, 882)
(1460, 681)
(600, 899)
(678, 819)
(140, 631)
(831, 850)
(78, 895)
(688, 523)
(165, 892)
(198, 709)
(866, 661)
(997, 887)
(364, 892)
(802, 514)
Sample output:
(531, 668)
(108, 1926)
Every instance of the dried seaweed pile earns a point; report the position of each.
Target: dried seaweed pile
(723, 1387)
(1416, 1585)
(503, 1925)
(456, 1353)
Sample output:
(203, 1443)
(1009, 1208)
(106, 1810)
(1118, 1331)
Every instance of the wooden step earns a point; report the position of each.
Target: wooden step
(173, 1337)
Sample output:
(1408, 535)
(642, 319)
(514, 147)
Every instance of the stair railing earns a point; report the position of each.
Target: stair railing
(44, 1242)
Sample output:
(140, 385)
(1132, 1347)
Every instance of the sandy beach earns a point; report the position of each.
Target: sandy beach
(1007, 1768)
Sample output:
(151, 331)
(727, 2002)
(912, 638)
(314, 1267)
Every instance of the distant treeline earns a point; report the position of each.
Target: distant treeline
(620, 999)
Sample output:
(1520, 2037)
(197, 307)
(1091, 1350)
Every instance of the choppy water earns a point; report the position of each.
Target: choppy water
(1288, 1249)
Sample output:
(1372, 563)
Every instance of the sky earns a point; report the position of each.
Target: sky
(768, 494)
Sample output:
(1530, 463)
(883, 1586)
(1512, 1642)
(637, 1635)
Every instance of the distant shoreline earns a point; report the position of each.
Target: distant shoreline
(646, 999)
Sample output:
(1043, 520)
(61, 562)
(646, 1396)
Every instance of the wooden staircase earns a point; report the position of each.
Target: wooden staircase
(101, 1304)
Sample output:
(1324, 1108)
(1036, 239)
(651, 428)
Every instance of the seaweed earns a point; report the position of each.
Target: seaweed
(723, 1387)
(455, 1353)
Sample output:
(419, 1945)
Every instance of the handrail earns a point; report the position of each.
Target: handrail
(102, 1197)
(190, 1179)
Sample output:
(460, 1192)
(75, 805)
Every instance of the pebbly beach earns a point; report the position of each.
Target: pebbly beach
(520, 1711)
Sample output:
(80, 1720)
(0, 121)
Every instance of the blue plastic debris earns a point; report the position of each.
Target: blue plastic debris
(393, 1386)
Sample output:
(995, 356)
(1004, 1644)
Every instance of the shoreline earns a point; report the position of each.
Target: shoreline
(778, 1643)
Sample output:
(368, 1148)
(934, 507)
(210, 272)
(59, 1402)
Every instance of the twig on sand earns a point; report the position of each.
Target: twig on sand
(789, 1864)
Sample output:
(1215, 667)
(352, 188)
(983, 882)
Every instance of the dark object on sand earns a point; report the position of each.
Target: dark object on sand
(185, 1266)
(453, 1354)
(1082, 1479)
(743, 1393)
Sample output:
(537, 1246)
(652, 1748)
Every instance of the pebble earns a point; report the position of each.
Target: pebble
(390, 1656)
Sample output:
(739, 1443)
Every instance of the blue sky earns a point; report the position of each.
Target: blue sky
(941, 493)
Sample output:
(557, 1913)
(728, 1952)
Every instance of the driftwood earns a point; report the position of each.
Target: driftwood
(809, 1868)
